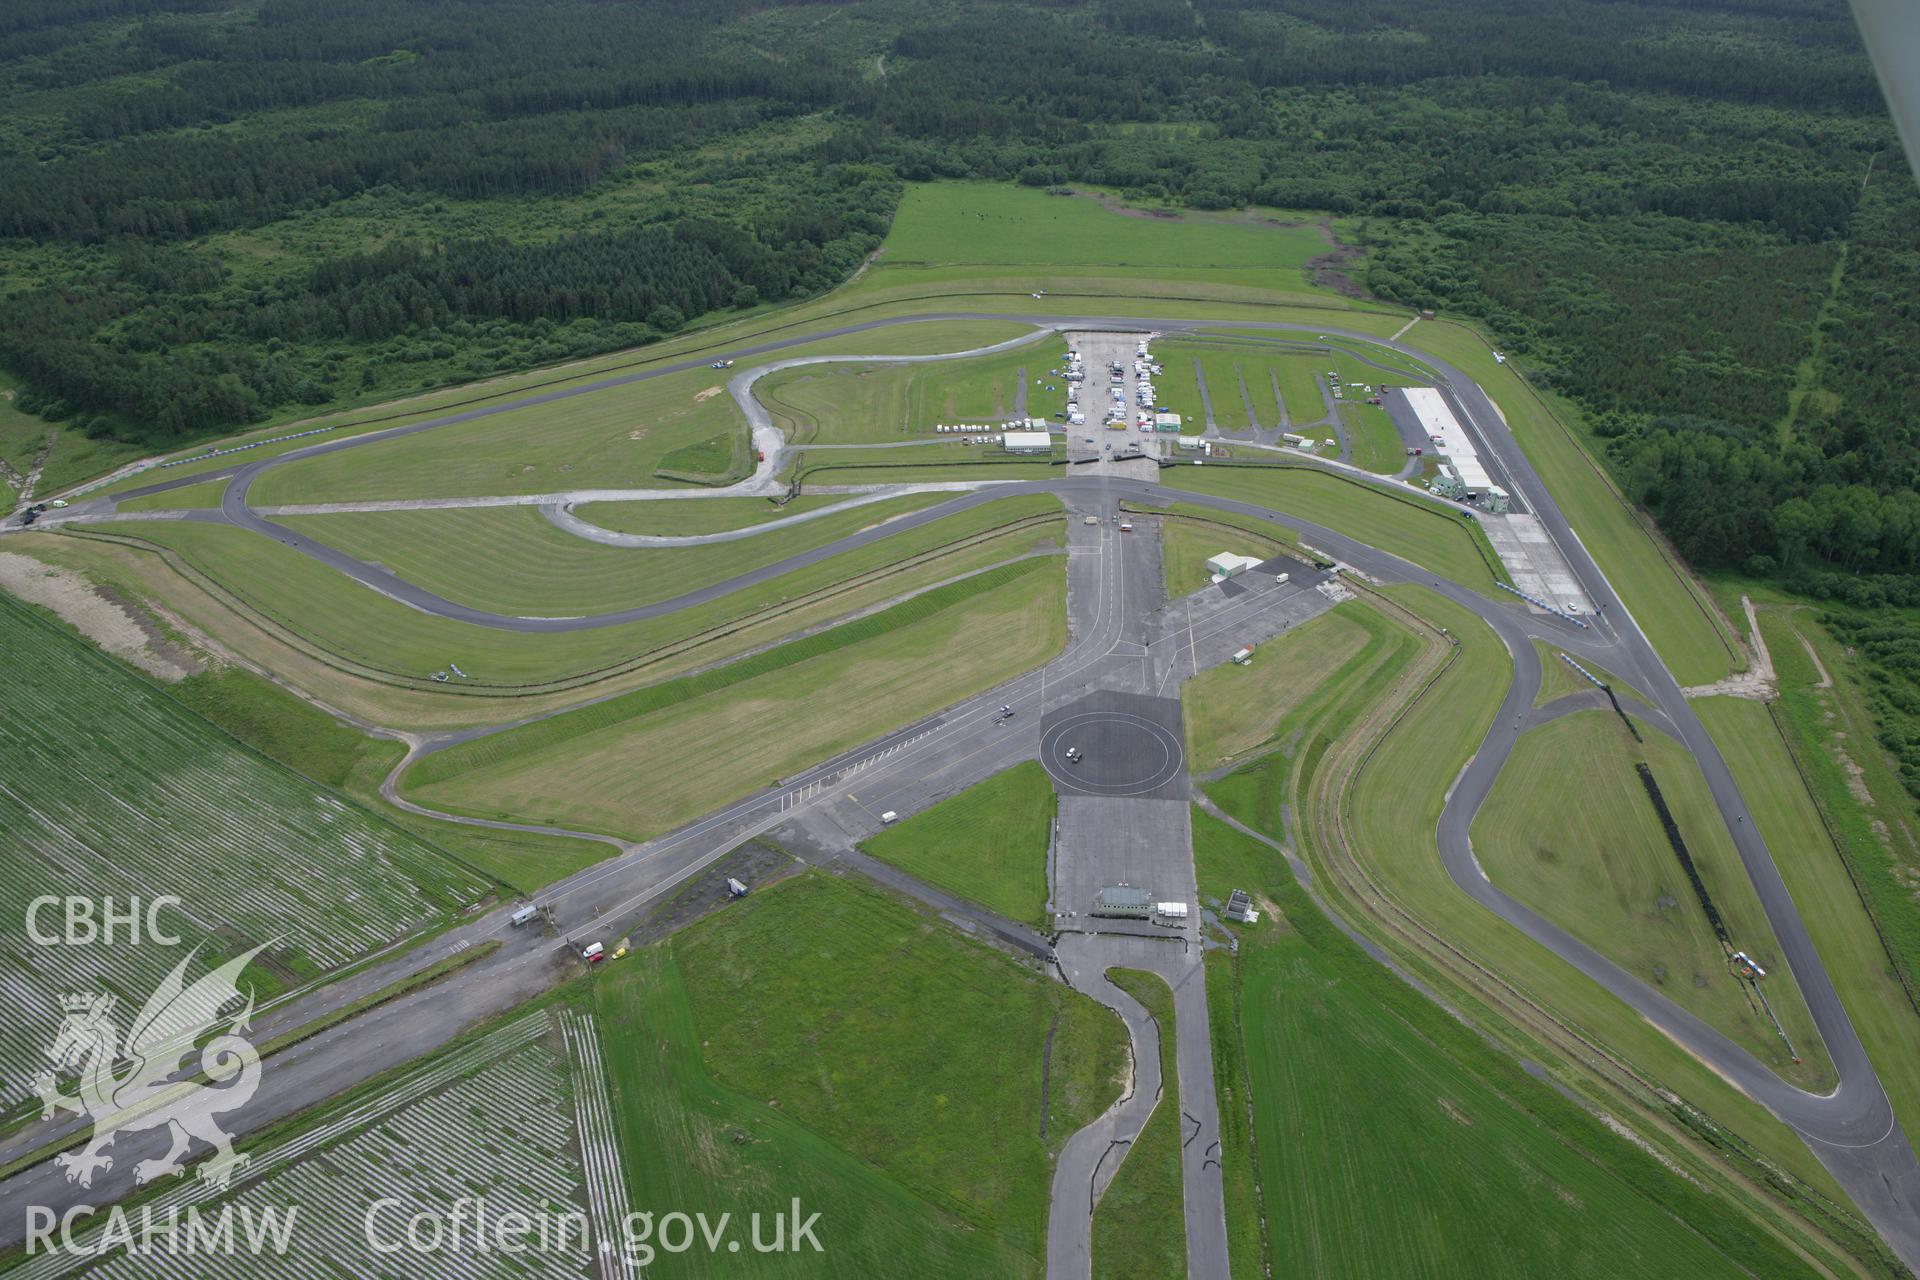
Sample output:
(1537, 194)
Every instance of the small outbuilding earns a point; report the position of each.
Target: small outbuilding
(1227, 563)
(1123, 902)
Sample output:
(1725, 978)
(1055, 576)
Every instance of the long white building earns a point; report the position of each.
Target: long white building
(1437, 420)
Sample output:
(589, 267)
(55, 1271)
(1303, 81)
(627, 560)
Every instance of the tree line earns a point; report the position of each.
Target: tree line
(1649, 201)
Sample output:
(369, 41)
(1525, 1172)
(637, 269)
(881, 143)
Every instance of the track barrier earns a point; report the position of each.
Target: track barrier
(1680, 851)
(1553, 609)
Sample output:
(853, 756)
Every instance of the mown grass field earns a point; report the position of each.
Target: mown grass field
(698, 1144)
(617, 437)
(1380, 364)
(1391, 1140)
(1569, 831)
(990, 388)
(879, 403)
(648, 761)
(1222, 294)
(1274, 373)
(1139, 1226)
(1376, 444)
(531, 567)
(611, 439)
(192, 497)
(911, 338)
(1299, 386)
(114, 789)
(920, 1052)
(1232, 711)
(1257, 791)
(1184, 364)
(1426, 535)
(347, 621)
(1228, 376)
(915, 337)
(987, 844)
(999, 224)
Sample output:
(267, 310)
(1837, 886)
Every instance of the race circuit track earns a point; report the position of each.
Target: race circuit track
(1852, 1130)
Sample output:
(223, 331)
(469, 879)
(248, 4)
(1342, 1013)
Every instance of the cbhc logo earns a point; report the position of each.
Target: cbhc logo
(106, 921)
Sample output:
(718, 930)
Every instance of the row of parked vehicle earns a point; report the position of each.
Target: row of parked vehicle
(37, 510)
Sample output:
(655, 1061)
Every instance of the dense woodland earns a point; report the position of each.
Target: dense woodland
(1690, 216)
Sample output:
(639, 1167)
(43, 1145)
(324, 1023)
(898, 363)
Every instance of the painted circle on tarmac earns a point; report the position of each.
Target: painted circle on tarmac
(1119, 754)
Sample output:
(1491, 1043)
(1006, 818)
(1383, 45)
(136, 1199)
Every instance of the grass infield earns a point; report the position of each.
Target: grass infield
(988, 843)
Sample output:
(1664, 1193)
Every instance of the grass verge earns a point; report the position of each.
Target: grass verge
(1187, 545)
(987, 844)
(1140, 1225)
(1557, 679)
(1430, 536)
(1232, 711)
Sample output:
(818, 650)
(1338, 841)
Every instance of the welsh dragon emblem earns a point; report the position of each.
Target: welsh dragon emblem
(126, 1084)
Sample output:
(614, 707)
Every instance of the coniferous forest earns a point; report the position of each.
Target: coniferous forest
(1689, 216)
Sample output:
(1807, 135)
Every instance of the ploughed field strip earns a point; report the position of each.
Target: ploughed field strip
(520, 1119)
(113, 790)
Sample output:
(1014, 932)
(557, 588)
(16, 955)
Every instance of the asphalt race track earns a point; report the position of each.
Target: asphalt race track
(1853, 1130)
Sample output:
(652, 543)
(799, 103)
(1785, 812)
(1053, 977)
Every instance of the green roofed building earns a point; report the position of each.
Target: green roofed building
(1123, 902)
